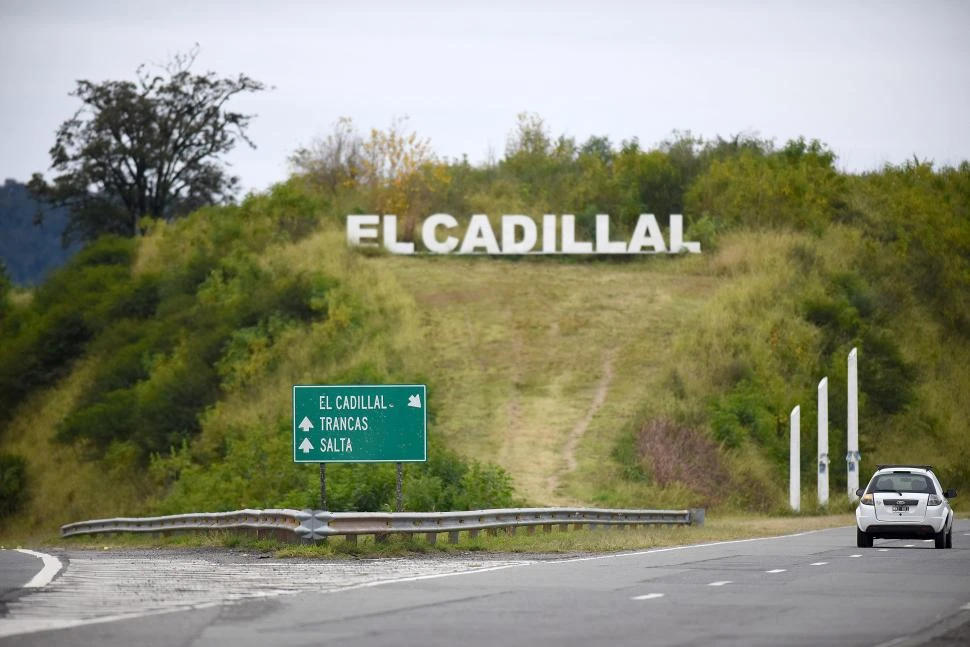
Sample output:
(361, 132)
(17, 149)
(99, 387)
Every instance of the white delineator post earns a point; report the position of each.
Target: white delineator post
(852, 456)
(823, 441)
(794, 464)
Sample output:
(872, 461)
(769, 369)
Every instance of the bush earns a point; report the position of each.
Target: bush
(678, 454)
(39, 354)
(797, 187)
(485, 486)
(13, 484)
(744, 414)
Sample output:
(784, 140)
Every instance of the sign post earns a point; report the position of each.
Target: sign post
(386, 423)
(794, 460)
(823, 442)
(852, 456)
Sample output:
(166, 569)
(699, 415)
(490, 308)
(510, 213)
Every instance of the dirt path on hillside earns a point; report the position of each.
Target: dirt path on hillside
(572, 442)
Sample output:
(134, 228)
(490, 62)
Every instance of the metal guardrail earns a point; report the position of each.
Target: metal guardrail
(316, 525)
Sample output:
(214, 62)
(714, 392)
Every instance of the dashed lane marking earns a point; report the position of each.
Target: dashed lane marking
(648, 596)
(909, 546)
(720, 583)
(883, 550)
(856, 555)
(818, 563)
(776, 570)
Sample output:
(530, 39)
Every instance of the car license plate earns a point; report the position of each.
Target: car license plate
(900, 508)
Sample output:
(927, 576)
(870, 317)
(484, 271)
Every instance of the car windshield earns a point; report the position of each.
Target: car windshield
(902, 483)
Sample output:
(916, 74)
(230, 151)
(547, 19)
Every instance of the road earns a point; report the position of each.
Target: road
(16, 570)
(814, 588)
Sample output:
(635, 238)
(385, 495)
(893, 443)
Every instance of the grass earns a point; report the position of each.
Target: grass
(540, 543)
(62, 487)
(520, 349)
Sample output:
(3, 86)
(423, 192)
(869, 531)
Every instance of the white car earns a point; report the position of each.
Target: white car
(904, 502)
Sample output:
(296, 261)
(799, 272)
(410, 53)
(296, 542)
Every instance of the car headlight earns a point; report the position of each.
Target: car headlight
(866, 500)
(934, 500)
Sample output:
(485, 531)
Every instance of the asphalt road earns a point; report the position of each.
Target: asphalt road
(810, 589)
(16, 569)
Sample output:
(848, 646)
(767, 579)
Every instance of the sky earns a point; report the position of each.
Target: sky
(878, 82)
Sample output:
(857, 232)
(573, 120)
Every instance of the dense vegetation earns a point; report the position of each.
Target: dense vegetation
(159, 367)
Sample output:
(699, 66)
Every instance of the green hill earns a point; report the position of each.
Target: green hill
(153, 375)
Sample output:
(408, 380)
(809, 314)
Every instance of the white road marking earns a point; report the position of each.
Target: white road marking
(856, 555)
(776, 570)
(818, 564)
(94, 591)
(894, 641)
(721, 583)
(928, 540)
(51, 567)
(673, 548)
(909, 546)
(648, 596)
(883, 550)
(965, 607)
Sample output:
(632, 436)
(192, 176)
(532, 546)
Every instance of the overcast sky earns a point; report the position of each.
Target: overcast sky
(877, 81)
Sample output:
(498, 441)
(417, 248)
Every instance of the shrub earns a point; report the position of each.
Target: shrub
(13, 484)
(485, 486)
(744, 414)
(678, 454)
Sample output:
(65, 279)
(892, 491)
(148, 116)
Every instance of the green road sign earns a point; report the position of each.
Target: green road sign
(360, 424)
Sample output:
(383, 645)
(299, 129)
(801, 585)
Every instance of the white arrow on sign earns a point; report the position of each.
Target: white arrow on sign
(415, 401)
(306, 446)
(306, 425)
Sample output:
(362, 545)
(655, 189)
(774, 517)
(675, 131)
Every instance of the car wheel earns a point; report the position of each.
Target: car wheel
(862, 539)
(940, 539)
(949, 538)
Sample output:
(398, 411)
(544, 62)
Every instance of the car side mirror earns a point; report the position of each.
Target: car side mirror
(950, 493)
(860, 492)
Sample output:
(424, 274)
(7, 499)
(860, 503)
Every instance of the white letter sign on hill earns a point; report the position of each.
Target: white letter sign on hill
(356, 231)
(428, 234)
(479, 234)
(528, 226)
(520, 235)
(647, 233)
(603, 243)
(569, 243)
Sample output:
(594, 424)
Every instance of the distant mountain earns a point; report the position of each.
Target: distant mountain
(30, 251)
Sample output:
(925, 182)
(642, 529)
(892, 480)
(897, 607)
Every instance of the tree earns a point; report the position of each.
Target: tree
(402, 172)
(332, 162)
(145, 148)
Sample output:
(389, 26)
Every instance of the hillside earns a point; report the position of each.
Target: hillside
(159, 369)
(30, 251)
